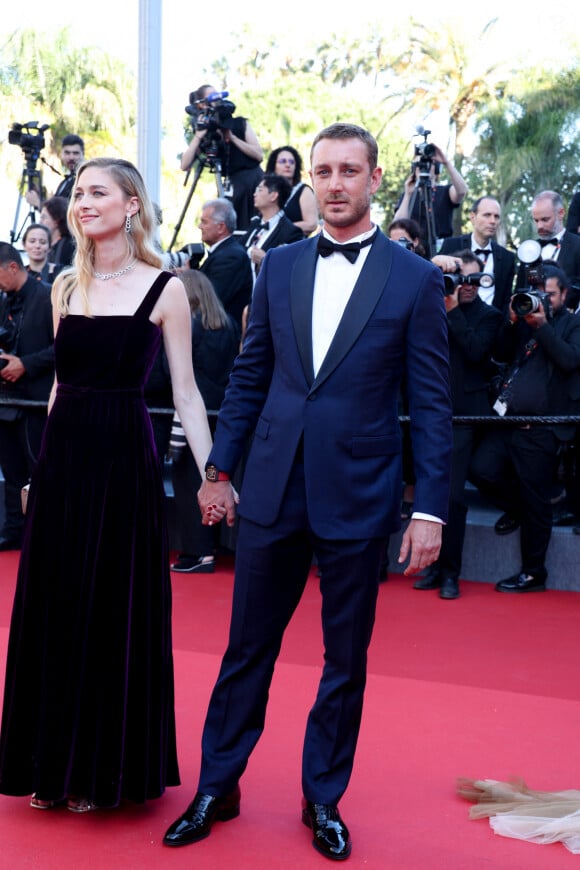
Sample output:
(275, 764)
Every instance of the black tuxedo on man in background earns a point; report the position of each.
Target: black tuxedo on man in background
(504, 266)
(21, 428)
(567, 258)
(229, 270)
(514, 465)
(473, 329)
(573, 217)
(284, 233)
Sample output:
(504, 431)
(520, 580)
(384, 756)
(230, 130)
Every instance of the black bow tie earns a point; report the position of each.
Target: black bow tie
(543, 242)
(350, 250)
(264, 225)
(482, 252)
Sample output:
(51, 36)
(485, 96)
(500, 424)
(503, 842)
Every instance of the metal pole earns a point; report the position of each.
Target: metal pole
(149, 96)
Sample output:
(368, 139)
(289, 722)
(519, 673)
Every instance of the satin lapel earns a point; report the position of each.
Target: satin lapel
(365, 295)
(272, 240)
(301, 290)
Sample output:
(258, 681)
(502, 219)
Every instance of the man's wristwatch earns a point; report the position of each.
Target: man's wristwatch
(213, 475)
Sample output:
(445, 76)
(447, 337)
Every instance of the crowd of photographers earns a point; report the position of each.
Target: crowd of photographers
(514, 329)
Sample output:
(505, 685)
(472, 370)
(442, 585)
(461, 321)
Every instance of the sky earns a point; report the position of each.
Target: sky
(193, 36)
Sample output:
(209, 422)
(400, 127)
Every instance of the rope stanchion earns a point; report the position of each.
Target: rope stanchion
(540, 420)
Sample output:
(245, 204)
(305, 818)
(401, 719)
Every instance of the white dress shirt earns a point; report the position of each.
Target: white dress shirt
(333, 285)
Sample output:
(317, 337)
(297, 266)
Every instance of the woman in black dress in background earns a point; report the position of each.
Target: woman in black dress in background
(300, 207)
(54, 215)
(88, 716)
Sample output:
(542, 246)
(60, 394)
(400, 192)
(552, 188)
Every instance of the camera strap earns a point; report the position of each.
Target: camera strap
(502, 402)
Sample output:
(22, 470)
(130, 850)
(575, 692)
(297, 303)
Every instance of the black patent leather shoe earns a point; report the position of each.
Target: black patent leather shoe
(431, 580)
(196, 822)
(449, 588)
(506, 525)
(521, 583)
(331, 837)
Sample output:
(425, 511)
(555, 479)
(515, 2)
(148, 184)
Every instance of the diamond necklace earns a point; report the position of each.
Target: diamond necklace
(106, 276)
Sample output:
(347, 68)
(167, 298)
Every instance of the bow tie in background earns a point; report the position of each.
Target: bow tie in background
(350, 250)
(543, 242)
(482, 252)
(264, 225)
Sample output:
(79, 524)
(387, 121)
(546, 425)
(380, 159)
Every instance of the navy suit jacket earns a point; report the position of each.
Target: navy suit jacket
(504, 267)
(347, 414)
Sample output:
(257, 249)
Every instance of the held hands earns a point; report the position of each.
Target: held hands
(216, 501)
(422, 541)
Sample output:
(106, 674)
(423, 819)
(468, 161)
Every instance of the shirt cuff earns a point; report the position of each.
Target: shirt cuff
(417, 515)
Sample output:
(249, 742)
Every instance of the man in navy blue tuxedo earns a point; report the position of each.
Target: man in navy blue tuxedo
(332, 330)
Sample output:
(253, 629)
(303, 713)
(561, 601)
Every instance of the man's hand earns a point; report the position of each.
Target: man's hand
(446, 263)
(537, 318)
(257, 255)
(217, 500)
(451, 300)
(33, 199)
(13, 370)
(422, 541)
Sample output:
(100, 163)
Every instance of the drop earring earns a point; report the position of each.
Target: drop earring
(128, 224)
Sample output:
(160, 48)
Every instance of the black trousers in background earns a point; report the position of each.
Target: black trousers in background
(514, 468)
(20, 442)
(194, 538)
(449, 562)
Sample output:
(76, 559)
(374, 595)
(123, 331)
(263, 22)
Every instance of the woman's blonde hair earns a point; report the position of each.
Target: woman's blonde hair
(203, 298)
(140, 240)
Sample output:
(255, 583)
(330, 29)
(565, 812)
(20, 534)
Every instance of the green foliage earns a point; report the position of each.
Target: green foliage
(512, 131)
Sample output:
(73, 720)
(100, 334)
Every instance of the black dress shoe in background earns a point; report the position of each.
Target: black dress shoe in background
(331, 837)
(193, 565)
(449, 588)
(431, 580)
(521, 583)
(10, 544)
(506, 525)
(196, 822)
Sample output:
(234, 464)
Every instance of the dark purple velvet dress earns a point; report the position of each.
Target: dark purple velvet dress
(88, 704)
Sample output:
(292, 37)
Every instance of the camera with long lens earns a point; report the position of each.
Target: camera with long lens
(215, 115)
(452, 280)
(529, 299)
(425, 151)
(29, 137)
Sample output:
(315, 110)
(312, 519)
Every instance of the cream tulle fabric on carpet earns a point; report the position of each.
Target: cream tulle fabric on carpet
(514, 810)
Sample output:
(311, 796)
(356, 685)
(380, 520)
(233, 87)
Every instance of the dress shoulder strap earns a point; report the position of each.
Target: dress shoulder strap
(153, 294)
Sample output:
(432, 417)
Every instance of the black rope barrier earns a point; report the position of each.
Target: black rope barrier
(529, 420)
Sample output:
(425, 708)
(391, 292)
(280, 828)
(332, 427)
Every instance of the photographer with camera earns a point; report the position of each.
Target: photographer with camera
(427, 201)
(72, 155)
(26, 372)
(557, 243)
(229, 145)
(514, 466)
(472, 327)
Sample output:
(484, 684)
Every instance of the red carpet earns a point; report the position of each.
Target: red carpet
(486, 686)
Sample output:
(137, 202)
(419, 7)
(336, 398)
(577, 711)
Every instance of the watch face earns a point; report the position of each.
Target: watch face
(211, 473)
